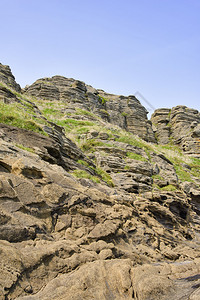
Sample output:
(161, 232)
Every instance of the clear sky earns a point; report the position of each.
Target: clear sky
(120, 46)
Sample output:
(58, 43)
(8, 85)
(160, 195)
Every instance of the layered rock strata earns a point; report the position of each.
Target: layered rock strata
(63, 236)
(7, 77)
(126, 112)
(179, 125)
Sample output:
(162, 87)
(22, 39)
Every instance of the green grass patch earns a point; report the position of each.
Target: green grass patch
(169, 188)
(136, 156)
(83, 174)
(14, 114)
(83, 130)
(105, 176)
(74, 123)
(124, 114)
(83, 112)
(104, 112)
(131, 141)
(52, 113)
(182, 174)
(89, 145)
(82, 162)
(25, 148)
(157, 176)
(195, 166)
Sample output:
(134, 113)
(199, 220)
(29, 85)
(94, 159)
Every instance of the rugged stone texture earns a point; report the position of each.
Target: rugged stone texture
(7, 78)
(180, 125)
(126, 112)
(56, 149)
(67, 238)
(60, 234)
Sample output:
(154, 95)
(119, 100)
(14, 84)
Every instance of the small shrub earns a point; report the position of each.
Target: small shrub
(102, 100)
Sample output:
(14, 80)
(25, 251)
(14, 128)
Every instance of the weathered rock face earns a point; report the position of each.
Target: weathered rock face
(7, 77)
(126, 112)
(55, 149)
(180, 125)
(81, 240)
(8, 85)
(64, 237)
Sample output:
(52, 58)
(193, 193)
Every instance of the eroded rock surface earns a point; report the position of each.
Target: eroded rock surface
(132, 233)
(180, 125)
(7, 77)
(54, 230)
(126, 112)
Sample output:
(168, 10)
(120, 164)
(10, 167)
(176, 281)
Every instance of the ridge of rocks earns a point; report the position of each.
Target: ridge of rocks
(124, 111)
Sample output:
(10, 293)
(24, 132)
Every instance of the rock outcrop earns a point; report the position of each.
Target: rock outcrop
(7, 77)
(179, 125)
(126, 112)
(106, 216)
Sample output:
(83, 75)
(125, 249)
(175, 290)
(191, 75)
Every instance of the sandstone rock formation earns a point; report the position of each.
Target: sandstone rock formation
(180, 125)
(7, 77)
(127, 112)
(106, 216)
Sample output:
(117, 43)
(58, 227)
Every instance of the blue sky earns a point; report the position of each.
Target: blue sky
(121, 46)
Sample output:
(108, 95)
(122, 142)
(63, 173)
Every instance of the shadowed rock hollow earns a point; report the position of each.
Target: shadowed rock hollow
(105, 216)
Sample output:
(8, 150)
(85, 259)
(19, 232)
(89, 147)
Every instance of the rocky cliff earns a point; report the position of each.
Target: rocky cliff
(88, 209)
(126, 112)
(180, 126)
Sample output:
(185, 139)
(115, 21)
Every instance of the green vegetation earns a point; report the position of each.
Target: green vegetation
(102, 100)
(124, 114)
(52, 112)
(195, 167)
(169, 188)
(127, 167)
(157, 176)
(82, 162)
(74, 127)
(128, 138)
(99, 171)
(24, 114)
(83, 112)
(89, 145)
(25, 148)
(16, 114)
(73, 122)
(104, 112)
(83, 174)
(83, 130)
(180, 171)
(136, 156)
(105, 176)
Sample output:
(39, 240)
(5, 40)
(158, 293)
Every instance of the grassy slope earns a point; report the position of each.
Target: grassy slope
(31, 113)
